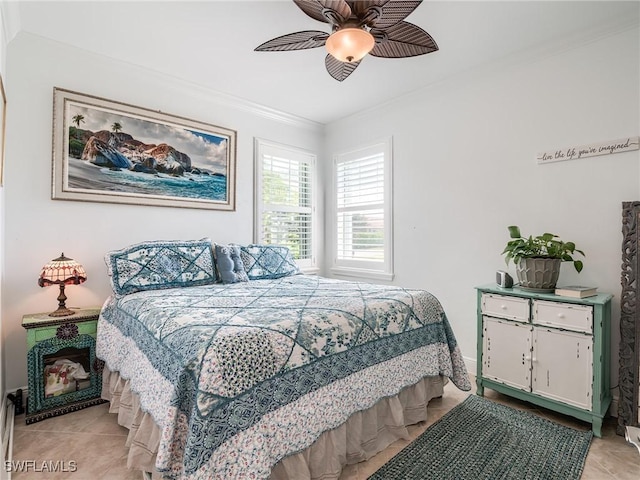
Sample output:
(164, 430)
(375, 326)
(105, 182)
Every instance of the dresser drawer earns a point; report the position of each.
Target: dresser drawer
(578, 318)
(512, 308)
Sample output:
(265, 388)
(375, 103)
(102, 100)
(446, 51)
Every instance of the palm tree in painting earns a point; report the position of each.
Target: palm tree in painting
(78, 119)
(116, 127)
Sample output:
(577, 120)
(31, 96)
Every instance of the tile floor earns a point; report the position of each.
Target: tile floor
(95, 442)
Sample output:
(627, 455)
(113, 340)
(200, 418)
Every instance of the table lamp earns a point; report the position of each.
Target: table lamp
(62, 271)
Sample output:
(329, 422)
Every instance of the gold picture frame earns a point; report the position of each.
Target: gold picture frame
(107, 151)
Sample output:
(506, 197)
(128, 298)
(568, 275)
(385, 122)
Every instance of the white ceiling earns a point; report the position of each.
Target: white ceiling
(211, 44)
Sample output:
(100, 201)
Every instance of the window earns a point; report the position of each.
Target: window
(363, 212)
(285, 200)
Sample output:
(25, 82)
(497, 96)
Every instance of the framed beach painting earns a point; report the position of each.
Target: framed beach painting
(106, 151)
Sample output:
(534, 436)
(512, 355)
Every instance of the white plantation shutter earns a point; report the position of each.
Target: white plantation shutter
(360, 200)
(285, 200)
(363, 212)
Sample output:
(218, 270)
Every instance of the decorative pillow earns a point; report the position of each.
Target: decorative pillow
(229, 264)
(161, 264)
(268, 261)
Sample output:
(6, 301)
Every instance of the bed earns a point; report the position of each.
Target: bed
(226, 362)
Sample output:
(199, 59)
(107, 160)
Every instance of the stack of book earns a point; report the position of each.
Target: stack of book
(576, 291)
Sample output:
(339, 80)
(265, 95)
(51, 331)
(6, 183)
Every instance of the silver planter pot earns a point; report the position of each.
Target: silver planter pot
(538, 274)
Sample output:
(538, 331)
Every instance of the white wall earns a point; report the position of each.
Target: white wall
(3, 50)
(37, 228)
(7, 27)
(465, 169)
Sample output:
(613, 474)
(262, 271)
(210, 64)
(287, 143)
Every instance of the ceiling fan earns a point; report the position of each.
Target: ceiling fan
(358, 27)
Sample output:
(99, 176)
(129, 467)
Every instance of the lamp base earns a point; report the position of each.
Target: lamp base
(62, 312)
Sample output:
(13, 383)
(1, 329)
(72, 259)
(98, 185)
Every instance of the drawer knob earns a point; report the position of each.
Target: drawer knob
(561, 315)
(503, 307)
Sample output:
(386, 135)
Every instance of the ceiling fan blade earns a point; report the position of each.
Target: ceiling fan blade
(402, 40)
(294, 41)
(312, 8)
(339, 70)
(360, 8)
(334, 12)
(393, 12)
(339, 7)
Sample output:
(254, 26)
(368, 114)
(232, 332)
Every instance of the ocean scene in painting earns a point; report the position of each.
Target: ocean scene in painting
(117, 153)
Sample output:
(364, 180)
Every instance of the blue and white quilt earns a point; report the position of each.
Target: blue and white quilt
(238, 376)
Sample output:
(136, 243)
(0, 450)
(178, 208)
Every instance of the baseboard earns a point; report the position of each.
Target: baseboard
(613, 409)
(472, 365)
(7, 415)
(7, 419)
(7, 431)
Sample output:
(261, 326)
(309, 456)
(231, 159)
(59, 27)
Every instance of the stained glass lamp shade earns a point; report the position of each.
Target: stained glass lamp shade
(62, 271)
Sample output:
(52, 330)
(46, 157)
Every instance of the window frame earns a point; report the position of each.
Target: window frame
(365, 269)
(261, 148)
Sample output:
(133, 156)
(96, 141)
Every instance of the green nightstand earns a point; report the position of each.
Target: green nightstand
(546, 349)
(64, 374)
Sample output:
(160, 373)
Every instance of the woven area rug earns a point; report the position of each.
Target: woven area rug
(480, 439)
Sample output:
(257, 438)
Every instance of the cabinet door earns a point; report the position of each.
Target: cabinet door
(506, 352)
(562, 366)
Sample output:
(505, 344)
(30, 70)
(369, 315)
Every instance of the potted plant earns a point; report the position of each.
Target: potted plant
(538, 259)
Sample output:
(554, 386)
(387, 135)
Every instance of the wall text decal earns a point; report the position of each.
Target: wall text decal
(592, 150)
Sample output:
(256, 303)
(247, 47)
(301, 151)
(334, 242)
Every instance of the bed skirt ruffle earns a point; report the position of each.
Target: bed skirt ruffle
(363, 435)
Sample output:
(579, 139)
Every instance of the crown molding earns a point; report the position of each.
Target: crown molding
(10, 12)
(257, 109)
(217, 97)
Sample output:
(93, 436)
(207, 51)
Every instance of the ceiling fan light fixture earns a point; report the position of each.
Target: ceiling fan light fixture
(374, 27)
(350, 44)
